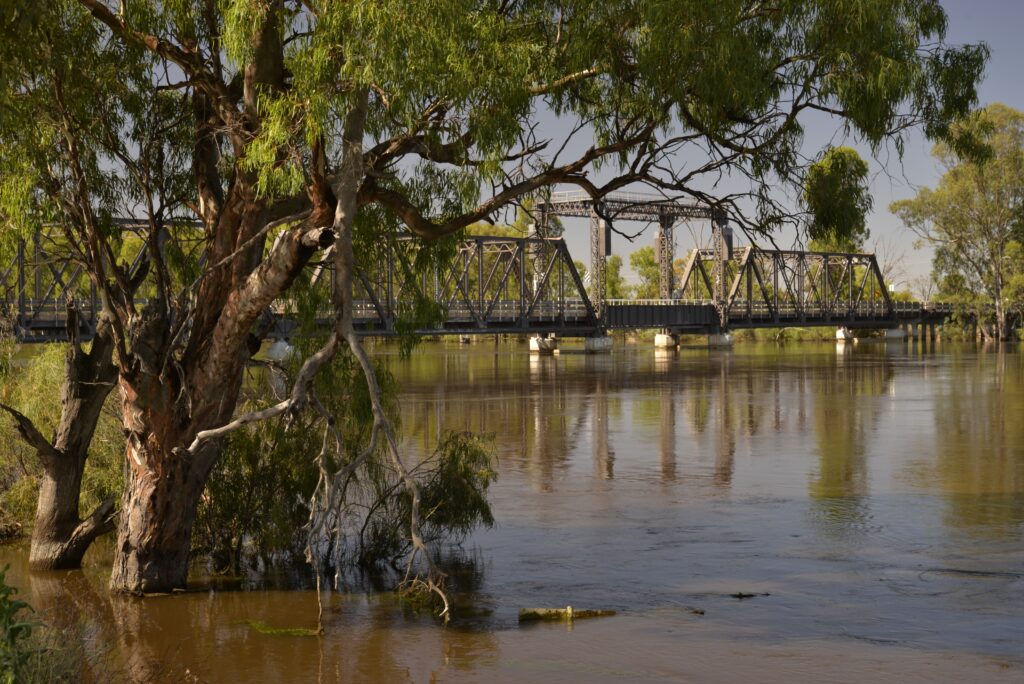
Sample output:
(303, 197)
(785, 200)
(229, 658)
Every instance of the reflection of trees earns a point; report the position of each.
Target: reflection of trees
(844, 414)
(667, 434)
(542, 408)
(71, 603)
(604, 456)
(979, 424)
(725, 429)
(529, 409)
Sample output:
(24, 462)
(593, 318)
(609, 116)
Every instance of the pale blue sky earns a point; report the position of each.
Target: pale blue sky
(995, 22)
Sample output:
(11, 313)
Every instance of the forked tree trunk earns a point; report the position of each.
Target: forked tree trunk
(59, 537)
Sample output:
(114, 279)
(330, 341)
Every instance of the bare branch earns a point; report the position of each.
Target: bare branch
(31, 435)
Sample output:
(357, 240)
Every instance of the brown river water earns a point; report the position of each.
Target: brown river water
(870, 498)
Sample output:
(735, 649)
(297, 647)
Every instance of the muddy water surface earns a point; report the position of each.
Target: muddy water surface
(866, 503)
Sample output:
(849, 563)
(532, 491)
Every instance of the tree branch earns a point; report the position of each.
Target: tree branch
(31, 435)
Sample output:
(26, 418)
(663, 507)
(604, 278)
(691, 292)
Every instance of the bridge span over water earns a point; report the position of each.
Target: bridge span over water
(531, 285)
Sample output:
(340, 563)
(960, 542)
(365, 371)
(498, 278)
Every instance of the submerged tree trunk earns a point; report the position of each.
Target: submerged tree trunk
(164, 481)
(59, 537)
(1002, 329)
(155, 530)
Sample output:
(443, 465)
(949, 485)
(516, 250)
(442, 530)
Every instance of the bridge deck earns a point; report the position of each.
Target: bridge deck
(46, 321)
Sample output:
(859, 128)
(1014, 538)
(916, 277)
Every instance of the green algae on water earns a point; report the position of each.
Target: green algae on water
(264, 628)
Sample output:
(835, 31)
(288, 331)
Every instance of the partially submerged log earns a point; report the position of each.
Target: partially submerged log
(567, 614)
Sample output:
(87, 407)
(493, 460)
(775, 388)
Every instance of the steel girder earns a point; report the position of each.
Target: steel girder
(779, 287)
(36, 288)
(491, 284)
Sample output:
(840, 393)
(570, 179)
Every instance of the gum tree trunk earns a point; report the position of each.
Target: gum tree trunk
(164, 481)
(59, 537)
(155, 530)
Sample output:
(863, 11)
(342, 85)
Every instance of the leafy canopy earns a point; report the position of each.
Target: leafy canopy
(837, 195)
(645, 265)
(457, 87)
(974, 218)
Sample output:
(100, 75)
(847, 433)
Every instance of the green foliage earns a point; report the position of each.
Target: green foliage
(837, 195)
(33, 390)
(15, 634)
(614, 284)
(255, 497)
(258, 493)
(32, 652)
(973, 218)
(66, 86)
(882, 63)
(419, 313)
(453, 487)
(644, 264)
(110, 116)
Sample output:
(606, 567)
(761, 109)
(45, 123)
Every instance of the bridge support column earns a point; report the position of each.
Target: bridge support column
(598, 345)
(844, 335)
(666, 341)
(720, 340)
(664, 254)
(543, 345)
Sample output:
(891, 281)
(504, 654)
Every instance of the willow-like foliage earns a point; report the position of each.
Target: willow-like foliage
(249, 138)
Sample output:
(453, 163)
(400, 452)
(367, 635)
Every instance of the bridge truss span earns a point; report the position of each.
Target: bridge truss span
(516, 285)
(773, 288)
(490, 284)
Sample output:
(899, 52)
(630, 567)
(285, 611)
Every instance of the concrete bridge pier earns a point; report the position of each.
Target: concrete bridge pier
(602, 344)
(543, 344)
(720, 340)
(666, 340)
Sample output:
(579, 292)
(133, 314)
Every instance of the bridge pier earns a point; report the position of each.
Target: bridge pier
(544, 345)
(598, 345)
(720, 340)
(666, 341)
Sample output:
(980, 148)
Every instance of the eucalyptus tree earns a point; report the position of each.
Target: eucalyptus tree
(307, 126)
(644, 263)
(67, 109)
(838, 200)
(974, 216)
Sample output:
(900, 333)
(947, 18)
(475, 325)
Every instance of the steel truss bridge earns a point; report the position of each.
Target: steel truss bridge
(530, 285)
